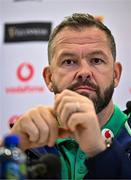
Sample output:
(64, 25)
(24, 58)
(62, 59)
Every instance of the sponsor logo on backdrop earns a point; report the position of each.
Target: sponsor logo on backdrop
(29, 31)
(25, 73)
(12, 120)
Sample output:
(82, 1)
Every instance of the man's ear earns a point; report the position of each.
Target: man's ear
(117, 73)
(47, 77)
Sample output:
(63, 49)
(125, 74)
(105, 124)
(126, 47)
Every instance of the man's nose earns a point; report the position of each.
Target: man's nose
(84, 72)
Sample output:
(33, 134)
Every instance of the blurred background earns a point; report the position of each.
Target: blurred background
(25, 26)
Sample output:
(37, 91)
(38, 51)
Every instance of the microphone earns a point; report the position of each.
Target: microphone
(128, 105)
(128, 108)
(47, 167)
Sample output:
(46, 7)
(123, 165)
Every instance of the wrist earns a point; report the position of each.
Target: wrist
(97, 149)
(102, 147)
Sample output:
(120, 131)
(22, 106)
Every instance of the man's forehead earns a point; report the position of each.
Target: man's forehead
(82, 36)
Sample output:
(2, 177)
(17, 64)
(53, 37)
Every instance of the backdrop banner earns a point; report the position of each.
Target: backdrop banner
(25, 26)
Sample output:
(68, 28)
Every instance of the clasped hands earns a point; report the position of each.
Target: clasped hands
(73, 115)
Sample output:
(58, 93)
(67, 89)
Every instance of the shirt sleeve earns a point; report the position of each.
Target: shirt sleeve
(113, 163)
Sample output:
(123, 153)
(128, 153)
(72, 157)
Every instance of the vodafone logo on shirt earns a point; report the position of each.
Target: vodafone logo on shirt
(25, 73)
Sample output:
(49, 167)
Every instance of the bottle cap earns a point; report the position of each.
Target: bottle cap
(11, 140)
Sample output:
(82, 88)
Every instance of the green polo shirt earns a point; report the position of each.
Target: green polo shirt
(72, 158)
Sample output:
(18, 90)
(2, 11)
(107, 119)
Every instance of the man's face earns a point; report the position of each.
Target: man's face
(82, 62)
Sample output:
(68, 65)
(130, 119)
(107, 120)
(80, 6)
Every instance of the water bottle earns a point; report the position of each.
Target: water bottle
(12, 159)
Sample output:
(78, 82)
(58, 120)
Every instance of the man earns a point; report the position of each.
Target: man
(84, 128)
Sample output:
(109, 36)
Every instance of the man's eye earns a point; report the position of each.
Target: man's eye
(96, 61)
(68, 62)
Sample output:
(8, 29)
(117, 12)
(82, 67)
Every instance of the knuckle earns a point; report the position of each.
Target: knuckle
(67, 106)
(35, 134)
(33, 111)
(73, 117)
(64, 99)
(24, 121)
(40, 107)
(65, 91)
(45, 129)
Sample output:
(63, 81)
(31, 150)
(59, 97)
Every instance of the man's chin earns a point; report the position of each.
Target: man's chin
(83, 94)
(92, 98)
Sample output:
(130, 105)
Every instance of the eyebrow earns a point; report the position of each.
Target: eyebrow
(98, 52)
(67, 54)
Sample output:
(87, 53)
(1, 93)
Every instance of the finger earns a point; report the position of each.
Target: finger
(42, 126)
(70, 96)
(65, 108)
(28, 127)
(1, 142)
(63, 94)
(26, 130)
(76, 120)
(59, 106)
(62, 111)
(50, 119)
(67, 111)
(84, 120)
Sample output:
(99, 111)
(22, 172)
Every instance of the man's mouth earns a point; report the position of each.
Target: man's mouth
(84, 88)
